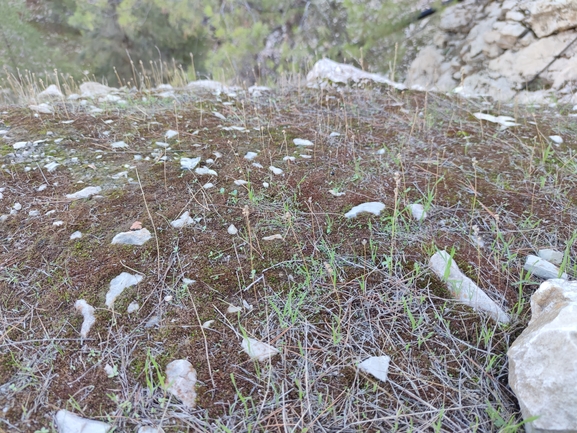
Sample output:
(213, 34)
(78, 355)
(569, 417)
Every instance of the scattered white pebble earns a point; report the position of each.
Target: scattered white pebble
(289, 158)
(51, 166)
(273, 237)
(265, 184)
(119, 145)
(371, 207)
(207, 324)
(209, 161)
(275, 170)
(335, 192)
(257, 349)
(137, 157)
(76, 235)
(168, 298)
(136, 237)
(187, 281)
(189, 163)
(334, 134)
(118, 284)
(557, 139)
(418, 211)
(132, 307)
(233, 309)
(205, 171)
(181, 381)
(34, 213)
(555, 257)
(217, 114)
(68, 422)
(17, 206)
(246, 305)
(162, 144)
(20, 145)
(208, 185)
(183, 220)
(378, 366)
(84, 193)
(170, 134)
(87, 312)
(232, 230)
(217, 154)
(58, 223)
(257, 165)
(306, 156)
(240, 182)
(302, 142)
(250, 156)
(381, 152)
(110, 371)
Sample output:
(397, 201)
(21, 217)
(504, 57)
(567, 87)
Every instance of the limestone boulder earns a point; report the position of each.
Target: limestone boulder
(542, 361)
(546, 17)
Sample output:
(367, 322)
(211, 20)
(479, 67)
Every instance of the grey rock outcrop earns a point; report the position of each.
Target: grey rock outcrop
(495, 48)
(542, 361)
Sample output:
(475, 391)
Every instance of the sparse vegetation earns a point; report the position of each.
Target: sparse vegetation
(329, 294)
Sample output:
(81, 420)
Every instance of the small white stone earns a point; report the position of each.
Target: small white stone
(371, 207)
(76, 235)
(42, 187)
(557, 139)
(132, 307)
(250, 156)
(232, 230)
(84, 193)
(208, 185)
(233, 309)
(257, 349)
(181, 381)
(217, 154)
(272, 237)
(33, 213)
(183, 220)
(257, 165)
(207, 324)
(136, 237)
(265, 184)
(378, 366)
(336, 193)
(302, 142)
(240, 182)
(306, 156)
(87, 312)
(58, 223)
(17, 206)
(205, 171)
(170, 134)
(275, 170)
(168, 298)
(418, 211)
(119, 145)
(51, 166)
(20, 145)
(68, 422)
(552, 256)
(504, 121)
(162, 144)
(542, 268)
(334, 134)
(289, 158)
(42, 108)
(209, 161)
(217, 114)
(189, 163)
(118, 284)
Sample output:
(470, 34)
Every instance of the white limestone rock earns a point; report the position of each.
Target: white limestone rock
(189, 163)
(118, 284)
(50, 92)
(232, 230)
(557, 139)
(84, 193)
(205, 171)
(418, 211)
(373, 207)
(257, 349)
(183, 220)
(542, 366)
(250, 156)
(463, 289)
(326, 71)
(542, 268)
(170, 134)
(550, 16)
(87, 312)
(119, 145)
(377, 366)
(181, 380)
(277, 171)
(91, 89)
(555, 257)
(133, 237)
(42, 108)
(504, 121)
(302, 142)
(68, 422)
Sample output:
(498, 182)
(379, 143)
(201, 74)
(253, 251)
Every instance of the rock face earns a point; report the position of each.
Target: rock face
(495, 48)
(542, 361)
